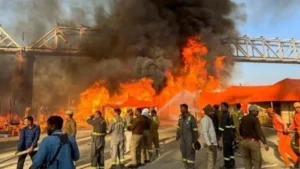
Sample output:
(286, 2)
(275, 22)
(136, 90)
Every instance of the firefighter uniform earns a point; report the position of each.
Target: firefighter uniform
(70, 125)
(237, 116)
(146, 154)
(117, 128)
(296, 123)
(188, 133)
(227, 130)
(153, 137)
(128, 134)
(98, 142)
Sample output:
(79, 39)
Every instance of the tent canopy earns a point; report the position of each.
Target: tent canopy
(132, 102)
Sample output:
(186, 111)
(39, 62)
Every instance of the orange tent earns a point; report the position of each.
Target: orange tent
(285, 90)
(131, 102)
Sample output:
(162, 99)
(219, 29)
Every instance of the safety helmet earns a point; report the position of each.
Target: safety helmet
(296, 104)
(270, 110)
(197, 145)
(68, 112)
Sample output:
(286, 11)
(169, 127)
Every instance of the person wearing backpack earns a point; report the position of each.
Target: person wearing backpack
(58, 150)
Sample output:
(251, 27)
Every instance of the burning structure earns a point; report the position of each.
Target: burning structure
(149, 49)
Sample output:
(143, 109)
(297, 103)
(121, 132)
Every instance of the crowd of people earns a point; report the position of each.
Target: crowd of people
(240, 132)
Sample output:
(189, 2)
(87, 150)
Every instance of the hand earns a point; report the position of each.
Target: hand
(211, 147)
(220, 148)
(177, 138)
(266, 147)
(16, 152)
(30, 149)
(91, 116)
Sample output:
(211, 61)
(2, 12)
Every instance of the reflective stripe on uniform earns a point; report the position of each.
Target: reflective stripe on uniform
(232, 157)
(150, 151)
(93, 167)
(189, 119)
(230, 126)
(98, 134)
(226, 159)
(195, 129)
(177, 126)
(113, 163)
(184, 160)
(101, 167)
(190, 161)
(122, 160)
(220, 128)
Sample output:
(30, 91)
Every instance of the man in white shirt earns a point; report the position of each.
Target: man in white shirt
(208, 137)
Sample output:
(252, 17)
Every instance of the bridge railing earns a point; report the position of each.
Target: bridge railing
(6, 42)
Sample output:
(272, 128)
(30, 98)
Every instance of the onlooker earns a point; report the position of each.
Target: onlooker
(29, 137)
(214, 115)
(128, 134)
(58, 150)
(70, 125)
(209, 138)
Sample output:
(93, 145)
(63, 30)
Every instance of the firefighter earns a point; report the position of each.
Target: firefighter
(136, 143)
(237, 116)
(98, 139)
(227, 131)
(188, 134)
(296, 121)
(128, 134)
(285, 138)
(146, 154)
(70, 125)
(154, 137)
(117, 128)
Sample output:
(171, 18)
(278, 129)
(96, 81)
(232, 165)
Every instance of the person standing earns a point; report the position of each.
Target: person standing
(227, 131)
(70, 125)
(117, 128)
(137, 127)
(154, 137)
(237, 116)
(285, 138)
(214, 117)
(98, 139)
(29, 137)
(58, 150)
(188, 134)
(296, 122)
(209, 137)
(128, 134)
(146, 154)
(251, 132)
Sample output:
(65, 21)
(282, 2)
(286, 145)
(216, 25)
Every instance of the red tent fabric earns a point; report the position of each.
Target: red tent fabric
(285, 90)
(132, 102)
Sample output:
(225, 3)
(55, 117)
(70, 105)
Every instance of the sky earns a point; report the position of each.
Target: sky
(271, 19)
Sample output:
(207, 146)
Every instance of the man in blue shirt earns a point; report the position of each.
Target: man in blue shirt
(58, 150)
(29, 137)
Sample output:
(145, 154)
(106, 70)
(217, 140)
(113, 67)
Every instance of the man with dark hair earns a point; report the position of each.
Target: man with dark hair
(137, 127)
(70, 125)
(117, 128)
(146, 151)
(58, 150)
(188, 134)
(227, 130)
(98, 139)
(128, 134)
(154, 137)
(214, 117)
(237, 116)
(29, 137)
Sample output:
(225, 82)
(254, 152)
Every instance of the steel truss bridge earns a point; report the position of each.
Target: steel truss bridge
(65, 40)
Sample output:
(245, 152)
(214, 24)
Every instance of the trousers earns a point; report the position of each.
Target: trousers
(145, 149)
(128, 135)
(22, 158)
(135, 149)
(97, 152)
(252, 155)
(188, 154)
(284, 149)
(228, 152)
(117, 152)
(153, 140)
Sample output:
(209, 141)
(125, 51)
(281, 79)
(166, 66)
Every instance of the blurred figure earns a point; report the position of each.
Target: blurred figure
(29, 137)
(237, 115)
(284, 147)
(117, 128)
(58, 150)
(137, 127)
(153, 136)
(296, 121)
(227, 132)
(188, 134)
(219, 114)
(128, 134)
(251, 133)
(209, 137)
(98, 139)
(214, 115)
(146, 154)
(70, 125)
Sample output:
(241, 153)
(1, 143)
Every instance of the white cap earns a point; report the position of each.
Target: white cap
(145, 112)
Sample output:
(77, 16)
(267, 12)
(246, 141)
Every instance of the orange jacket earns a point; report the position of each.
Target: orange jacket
(295, 122)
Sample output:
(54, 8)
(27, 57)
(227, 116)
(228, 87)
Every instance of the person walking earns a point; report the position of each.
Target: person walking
(29, 137)
(70, 125)
(284, 147)
(146, 150)
(251, 132)
(296, 122)
(153, 136)
(137, 127)
(98, 139)
(117, 128)
(227, 131)
(58, 150)
(188, 134)
(128, 134)
(237, 115)
(209, 137)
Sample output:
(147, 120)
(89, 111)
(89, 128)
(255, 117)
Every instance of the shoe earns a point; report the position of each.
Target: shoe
(296, 165)
(132, 166)
(113, 166)
(147, 161)
(122, 166)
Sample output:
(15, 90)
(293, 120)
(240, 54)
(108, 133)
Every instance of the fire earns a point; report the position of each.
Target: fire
(193, 77)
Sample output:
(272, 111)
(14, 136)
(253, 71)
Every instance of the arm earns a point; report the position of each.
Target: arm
(21, 140)
(40, 156)
(133, 124)
(36, 136)
(111, 127)
(236, 122)
(293, 125)
(178, 130)
(260, 132)
(75, 152)
(195, 129)
(222, 125)
(204, 131)
(73, 128)
(90, 121)
(280, 121)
